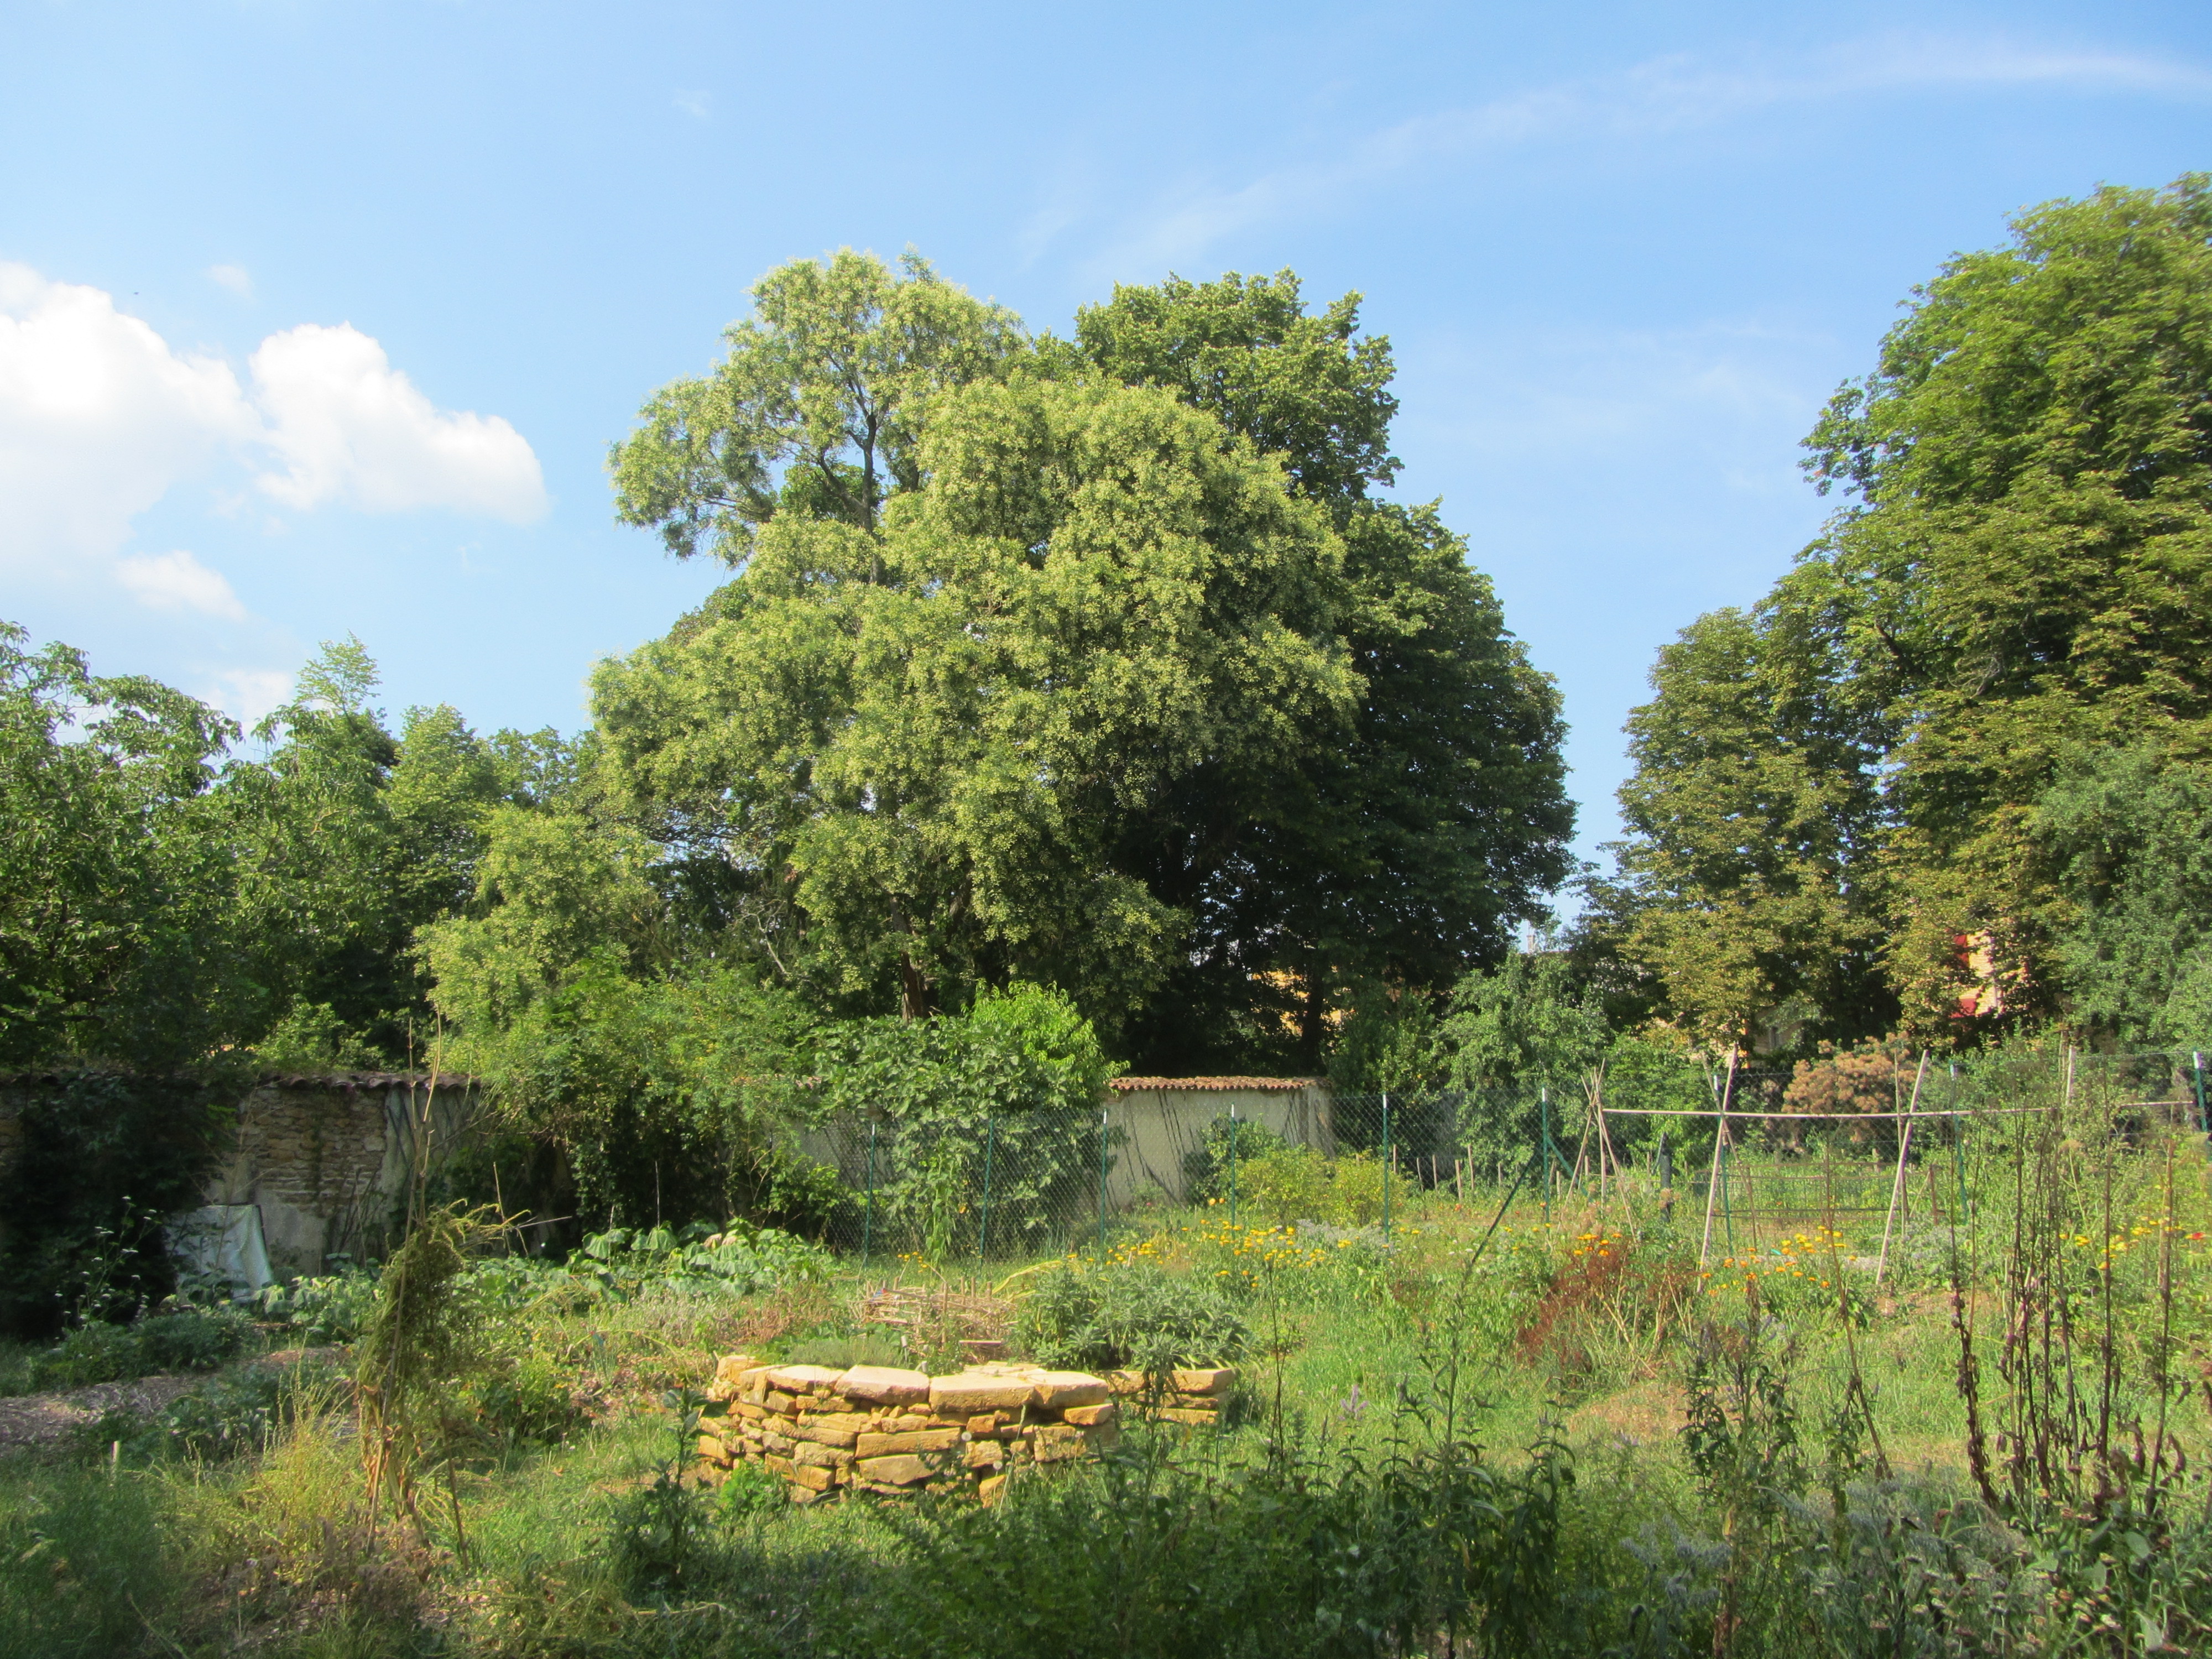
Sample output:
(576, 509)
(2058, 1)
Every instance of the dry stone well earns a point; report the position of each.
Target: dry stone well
(876, 1428)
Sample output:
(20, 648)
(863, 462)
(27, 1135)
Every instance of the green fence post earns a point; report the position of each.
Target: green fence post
(990, 1144)
(2197, 1060)
(1386, 1167)
(1232, 1166)
(1544, 1148)
(868, 1217)
(1101, 1183)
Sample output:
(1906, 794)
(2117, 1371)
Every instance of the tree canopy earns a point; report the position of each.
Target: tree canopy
(1107, 672)
(1838, 798)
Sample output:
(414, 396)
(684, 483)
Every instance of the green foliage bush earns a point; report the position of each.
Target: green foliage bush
(325, 1309)
(1127, 1316)
(1225, 1141)
(1013, 1083)
(192, 1341)
(104, 1159)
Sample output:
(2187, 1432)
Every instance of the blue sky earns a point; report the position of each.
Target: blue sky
(317, 319)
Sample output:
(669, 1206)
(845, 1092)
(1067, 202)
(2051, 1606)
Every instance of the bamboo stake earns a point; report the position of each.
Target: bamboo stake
(1897, 1186)
(1713, 1178)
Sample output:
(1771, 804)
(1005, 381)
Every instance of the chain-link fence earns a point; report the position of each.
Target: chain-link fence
(1745, 1153)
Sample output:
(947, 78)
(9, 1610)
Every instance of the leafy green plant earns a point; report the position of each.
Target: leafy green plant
(1013, 1085)
(192, 1341)
(663, 1539)
(425, 1340)
(323, 1309)
(103, 1159)
(1127, 1316)
(1226, 1141)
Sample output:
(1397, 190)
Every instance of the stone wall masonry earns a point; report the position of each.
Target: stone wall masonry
(878, 1429)
(327, 1160)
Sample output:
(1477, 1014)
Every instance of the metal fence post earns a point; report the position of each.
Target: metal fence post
(1232, 1166)
(1544, 1150)
(868, 1218)
(1101, 1183)
(2203, 1127)
(990, 1145)
(1386, 1165)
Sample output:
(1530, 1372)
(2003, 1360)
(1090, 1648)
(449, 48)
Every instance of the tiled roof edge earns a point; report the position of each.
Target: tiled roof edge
(1212, 1084)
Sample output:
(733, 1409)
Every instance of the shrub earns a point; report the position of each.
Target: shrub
(322, 1310)
(1225, 1142)
(1014, 1082)
(193, 1341)
(225, 1417)
(196, 1341)
(1129, 1317)
(81, 1567)
(103, 1158)
(1288, 1185)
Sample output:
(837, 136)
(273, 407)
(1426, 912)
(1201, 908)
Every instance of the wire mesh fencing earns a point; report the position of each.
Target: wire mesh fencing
(1747, 1154)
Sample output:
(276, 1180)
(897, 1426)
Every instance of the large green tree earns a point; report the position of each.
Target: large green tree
(1394, 851)
(1160, 708)
(115, 892)
(929, 734)
(2019, 575)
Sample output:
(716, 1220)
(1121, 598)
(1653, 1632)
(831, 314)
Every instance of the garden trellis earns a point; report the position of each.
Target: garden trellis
(988, 1186)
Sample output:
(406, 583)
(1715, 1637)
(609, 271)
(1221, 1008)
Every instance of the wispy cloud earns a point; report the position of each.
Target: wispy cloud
(696, 105)
(178, 582)
(1676, 93)
(237, 278)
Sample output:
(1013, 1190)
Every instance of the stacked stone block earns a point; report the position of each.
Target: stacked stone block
(1193, 1397)
(875, 1428)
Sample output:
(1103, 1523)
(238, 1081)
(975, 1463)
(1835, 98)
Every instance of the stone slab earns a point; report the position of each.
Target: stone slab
(817, 1480)
(928, 1440)
(883, 1385)
(967, 1393)
(1089, 1417)
(903, 1470)
(803, 1379)
(1209, 1380)
(733, 1368)
(1055, 1442)
(1058, 1390)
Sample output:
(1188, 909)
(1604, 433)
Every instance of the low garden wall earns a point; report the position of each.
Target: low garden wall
(876, 1428)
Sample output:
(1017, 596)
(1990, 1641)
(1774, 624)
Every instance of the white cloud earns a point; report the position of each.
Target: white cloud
(236, 278)
(101, 418)
(178, 582)
(1677, 93)
(696, 105)
(98, 419)
(350, 428)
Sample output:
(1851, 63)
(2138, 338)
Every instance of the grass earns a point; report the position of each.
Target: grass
(1561, 1436)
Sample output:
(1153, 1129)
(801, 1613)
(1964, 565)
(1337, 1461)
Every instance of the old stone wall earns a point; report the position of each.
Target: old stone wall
(875, 1428)
(328, 1160)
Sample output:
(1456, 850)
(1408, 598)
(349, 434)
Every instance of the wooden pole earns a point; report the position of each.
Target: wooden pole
(1897, 1186)
(1713, 1178)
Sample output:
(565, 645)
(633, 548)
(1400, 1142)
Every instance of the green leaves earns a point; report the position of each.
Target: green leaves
(923, 735)
(816, 409)
(1841, 786)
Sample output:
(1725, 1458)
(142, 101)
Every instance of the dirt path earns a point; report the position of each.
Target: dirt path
(42, 1419)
